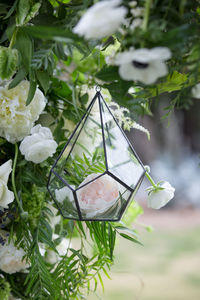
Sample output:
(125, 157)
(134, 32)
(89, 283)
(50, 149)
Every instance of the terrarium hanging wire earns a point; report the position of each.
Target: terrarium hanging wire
(98, 172)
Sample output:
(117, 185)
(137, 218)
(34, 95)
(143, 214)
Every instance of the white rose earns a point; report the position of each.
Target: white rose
(38, 146)
(145, 65)
(196, 91)
(17, 119)
(101, 20)
(6, 196)
(98, 196)
(11, 258)
(51, 256)
(159, 198)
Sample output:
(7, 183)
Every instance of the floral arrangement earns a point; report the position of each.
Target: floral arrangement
(52, 52)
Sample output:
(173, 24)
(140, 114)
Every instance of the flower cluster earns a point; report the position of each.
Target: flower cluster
(17, 119)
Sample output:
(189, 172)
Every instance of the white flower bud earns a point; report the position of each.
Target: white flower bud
(158, 198)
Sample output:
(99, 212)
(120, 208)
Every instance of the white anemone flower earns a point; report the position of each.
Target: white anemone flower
(101, 20)
(196, 91)
(145, 65)
(158, 198)
(6, 196)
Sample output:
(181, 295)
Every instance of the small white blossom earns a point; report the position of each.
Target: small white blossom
(11, 258)
(132, 3)
(51, 256)
(145, 65)
(101, 20)
(135, 23)
(6, 196)
(17, 119)
(196, 91)
(38, 146)
(120, 114)
(137, 12)
(159, 197)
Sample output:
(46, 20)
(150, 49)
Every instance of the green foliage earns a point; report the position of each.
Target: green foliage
(8, 62)
(4, 289)
(37, 43)
(33, 201)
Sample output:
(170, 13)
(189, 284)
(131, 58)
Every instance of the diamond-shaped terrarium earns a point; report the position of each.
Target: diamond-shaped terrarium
(98, 172)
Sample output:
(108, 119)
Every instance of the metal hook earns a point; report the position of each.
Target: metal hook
(98, 88)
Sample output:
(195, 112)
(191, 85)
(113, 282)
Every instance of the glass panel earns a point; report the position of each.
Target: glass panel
(121, 160)
(102, 199)
(84, 154)
(63, 197)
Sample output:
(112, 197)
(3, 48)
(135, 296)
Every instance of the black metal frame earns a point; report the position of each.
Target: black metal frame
(132, 190)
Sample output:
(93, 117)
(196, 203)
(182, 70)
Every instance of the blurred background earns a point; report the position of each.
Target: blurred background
(167, 267)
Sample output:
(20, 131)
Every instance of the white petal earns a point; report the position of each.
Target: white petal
(36, 129)
(127, 72)
(155, 70)
(100, 20)
(142, 55)
(5, 170)
(6, 198)
(160, 53)
(124, 57)
(196, 91)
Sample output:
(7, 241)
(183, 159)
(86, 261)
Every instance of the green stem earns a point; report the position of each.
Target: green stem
(148, 176)
(13, 179)
(146, 14)
(182, 7)
(13, 38)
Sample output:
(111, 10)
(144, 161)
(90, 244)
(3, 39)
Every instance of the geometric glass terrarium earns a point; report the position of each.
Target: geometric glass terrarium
(98, 172)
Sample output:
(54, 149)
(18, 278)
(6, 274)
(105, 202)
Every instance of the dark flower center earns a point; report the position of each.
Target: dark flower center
(139, 65)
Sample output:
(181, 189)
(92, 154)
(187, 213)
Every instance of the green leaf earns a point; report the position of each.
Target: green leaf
(130, 238)
(127, 230)
(17, 79)
(11, 10)
(26, 11)
(52, 33)
(22, 11)
(44, 80)
(172, 83)
(25, 48)
(59, 51)
(32, 12)
(31, 92)
(8, 62)
(119, 91)
(108, 74)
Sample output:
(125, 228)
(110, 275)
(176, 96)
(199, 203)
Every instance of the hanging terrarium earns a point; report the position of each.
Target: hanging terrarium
(98, 172)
